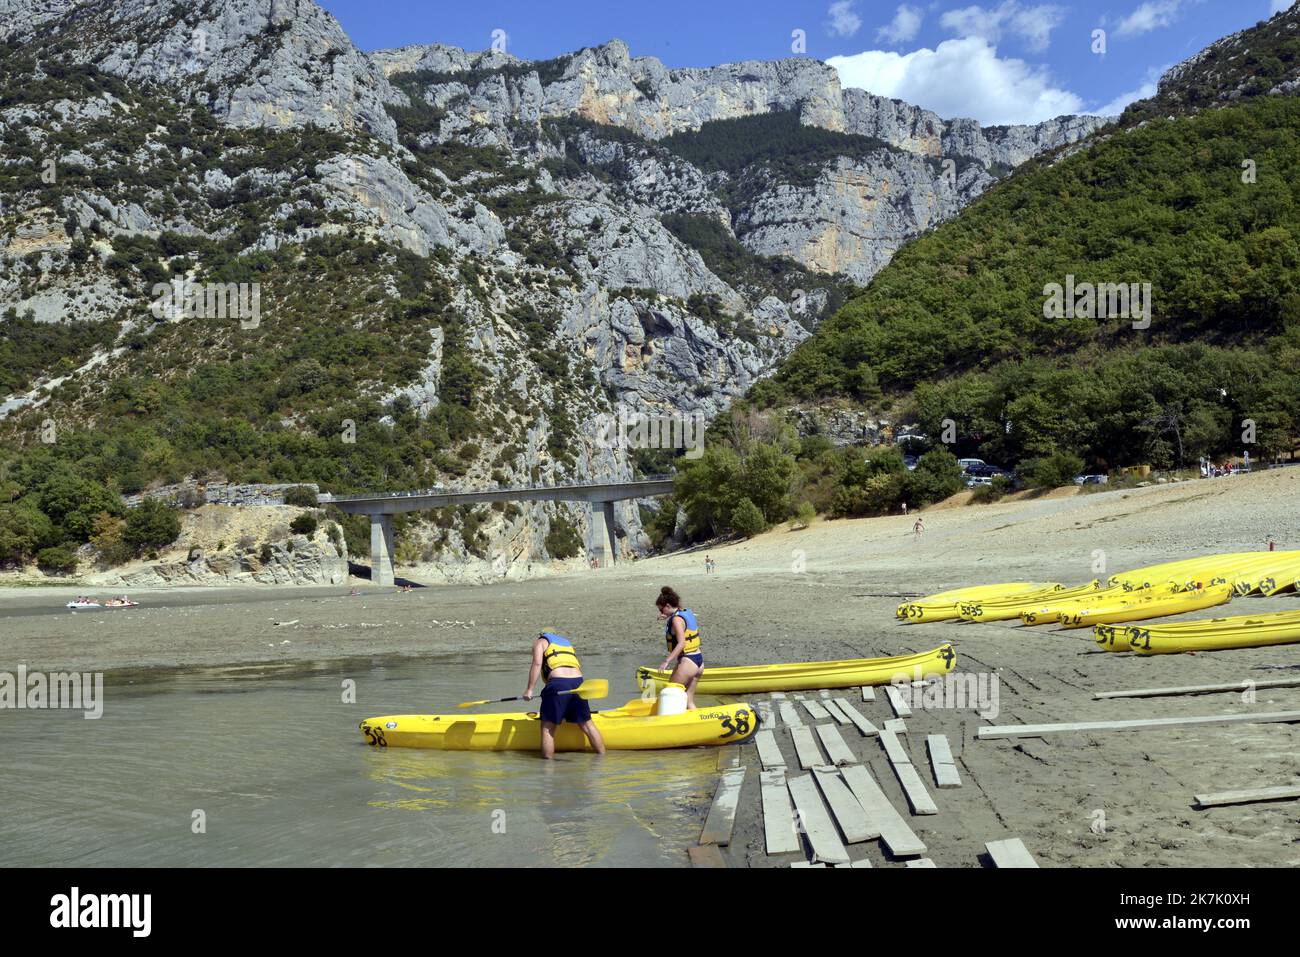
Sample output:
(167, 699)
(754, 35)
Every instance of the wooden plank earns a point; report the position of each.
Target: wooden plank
(1248, 796)
(1200, 689)
(895, 833)
(1010, 853)
(849, 815)
(914, 788)
(862, 863)
(945, 768)
(816, 710)
(766, 714)
(896, 725)
(806, 864)
(728, 758)
(836, 749)
(862, 724)
(779, 832)
(706, 856)
(805, 748)
(921, 862)
(769, 752)
(1141, 724)
(722, 815)
(897, 753)
(834, 711)
(789, 717)
(896, 702)
(777, 695)
(817, 826)
(868, 693)
(825, 693)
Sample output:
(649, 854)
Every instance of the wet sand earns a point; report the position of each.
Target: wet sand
(829, 592)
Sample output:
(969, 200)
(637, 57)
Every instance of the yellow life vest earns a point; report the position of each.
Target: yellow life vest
(691, 634)
(559, 653)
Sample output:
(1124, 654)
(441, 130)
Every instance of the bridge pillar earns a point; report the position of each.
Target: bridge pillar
(603, 539)
(381, 550)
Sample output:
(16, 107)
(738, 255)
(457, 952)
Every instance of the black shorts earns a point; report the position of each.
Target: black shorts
(558, 707)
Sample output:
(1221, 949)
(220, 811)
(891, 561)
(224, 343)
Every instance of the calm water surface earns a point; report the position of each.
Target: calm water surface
(274, 759)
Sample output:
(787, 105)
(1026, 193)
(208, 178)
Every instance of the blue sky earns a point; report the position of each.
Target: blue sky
(1000, 61)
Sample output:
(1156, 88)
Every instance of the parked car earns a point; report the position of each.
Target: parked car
(910, 461)
(977, 480)
(966, 464)
(1092, 480)
(984, 470)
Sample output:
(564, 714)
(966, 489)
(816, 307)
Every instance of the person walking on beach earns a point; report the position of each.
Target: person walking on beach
(682, 632)
(904, 508)
(918, 527)
(556, 661)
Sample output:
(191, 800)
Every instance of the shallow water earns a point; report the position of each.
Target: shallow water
(274, 760)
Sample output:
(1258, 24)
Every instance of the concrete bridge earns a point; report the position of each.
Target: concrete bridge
(382, 506)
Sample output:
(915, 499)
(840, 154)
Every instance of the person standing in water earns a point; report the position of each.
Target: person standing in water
(682, 633)
(556, 661)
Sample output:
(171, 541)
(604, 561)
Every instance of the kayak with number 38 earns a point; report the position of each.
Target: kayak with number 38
(633, 727)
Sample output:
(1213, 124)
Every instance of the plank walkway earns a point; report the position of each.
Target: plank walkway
(722, 815)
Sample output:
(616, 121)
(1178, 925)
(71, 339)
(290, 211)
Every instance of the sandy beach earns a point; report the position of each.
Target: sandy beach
(829, 591)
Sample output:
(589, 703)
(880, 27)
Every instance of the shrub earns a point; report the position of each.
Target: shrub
(57, 559)
(747, 520)
(1053, 471)
(151, 525)
(562, 539)
(303, 525)
(300, 496)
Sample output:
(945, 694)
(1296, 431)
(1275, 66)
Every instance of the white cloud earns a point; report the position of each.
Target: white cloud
(905, 25)
(959, 78)
(1152, 15)
(1277, 6)
(1148, 88)
(843, 21)
(1032, 24)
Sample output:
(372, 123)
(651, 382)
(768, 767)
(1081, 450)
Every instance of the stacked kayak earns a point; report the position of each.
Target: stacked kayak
(849, 673)
(946, 605)
(633, 727)
(1009, 608)
(1217, 634)
(1055, 611)
(1152, 604)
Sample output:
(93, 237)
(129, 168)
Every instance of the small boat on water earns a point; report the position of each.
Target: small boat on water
(88, 604)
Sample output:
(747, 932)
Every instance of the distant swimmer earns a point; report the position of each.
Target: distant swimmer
(555, 660)
(682, 633)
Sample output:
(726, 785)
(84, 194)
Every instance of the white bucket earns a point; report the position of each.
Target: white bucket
(672, 699)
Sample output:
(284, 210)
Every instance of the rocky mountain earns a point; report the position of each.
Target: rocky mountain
(448, 266)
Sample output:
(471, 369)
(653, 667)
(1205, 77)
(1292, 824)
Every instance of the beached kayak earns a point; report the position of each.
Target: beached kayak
(633, 727)
(1006, 609)
(1140, 609)
(802, 676)
(1218, 634)
(946, 605)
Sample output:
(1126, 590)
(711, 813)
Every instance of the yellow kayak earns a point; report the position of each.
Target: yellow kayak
(1219, 634)
(849, 673)
(633, 727)
(1006, 609)
(1184, 571)
(1054, 610)
(944, 605)
(1156, 606)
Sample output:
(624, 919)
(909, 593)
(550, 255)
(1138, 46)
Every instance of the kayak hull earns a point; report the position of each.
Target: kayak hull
(631, 728)
(850, 673)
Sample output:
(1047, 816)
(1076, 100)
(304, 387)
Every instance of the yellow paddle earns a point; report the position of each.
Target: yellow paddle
(590, 688)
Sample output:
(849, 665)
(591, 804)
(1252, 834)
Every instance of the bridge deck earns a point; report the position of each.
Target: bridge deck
(390, 503)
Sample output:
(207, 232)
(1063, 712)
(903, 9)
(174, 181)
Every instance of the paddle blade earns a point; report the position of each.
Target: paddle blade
(470, 704)
(594, 688)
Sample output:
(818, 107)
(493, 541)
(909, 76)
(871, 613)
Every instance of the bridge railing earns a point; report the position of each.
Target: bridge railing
(326, 497)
